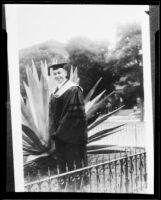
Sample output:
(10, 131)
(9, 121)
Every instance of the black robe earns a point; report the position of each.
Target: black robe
(67, 118)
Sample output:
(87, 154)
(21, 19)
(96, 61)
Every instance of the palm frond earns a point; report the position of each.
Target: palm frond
(35, 74)
(105, 131)
(103, 135)
(100, 120)
(96, 146)
(28, 152)
(97, 106)
(108, 150)
(31, 105)
(71, 72)
(44, 69)
(91, 103)
(34, 96)
(38, 99)
(27, 118)
(33, 137)
(33, 157)
(74, 75)
(45, 107)
(76, 80)
(91, 92)
(30, 144)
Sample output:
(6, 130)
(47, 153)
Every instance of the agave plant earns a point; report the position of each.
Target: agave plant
(36, 140)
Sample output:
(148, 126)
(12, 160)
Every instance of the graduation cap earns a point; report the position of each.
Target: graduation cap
(56, 66)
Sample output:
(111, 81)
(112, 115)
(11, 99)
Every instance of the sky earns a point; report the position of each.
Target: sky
(39, 23)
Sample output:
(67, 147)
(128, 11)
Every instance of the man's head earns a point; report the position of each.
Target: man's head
(59, 73)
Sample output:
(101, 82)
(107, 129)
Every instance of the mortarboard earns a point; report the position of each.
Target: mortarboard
(56, 66)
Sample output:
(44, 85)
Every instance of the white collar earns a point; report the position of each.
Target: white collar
(65, 87)
(60, 85)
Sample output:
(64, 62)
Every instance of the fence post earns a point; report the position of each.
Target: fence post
(115, 164)
(97, 177)
(121, 174)
(39, 176)
(49, 182)
(145, 174)
(126, 175)
(136, 168)
(90, 178)
(104, 188)
(140, 168)
(131, 172)
(29, 179)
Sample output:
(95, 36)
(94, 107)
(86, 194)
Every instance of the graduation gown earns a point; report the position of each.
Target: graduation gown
(67, 118)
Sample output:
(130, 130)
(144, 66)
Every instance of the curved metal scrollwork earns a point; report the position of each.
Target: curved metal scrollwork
(34, 188)
(44, 186)
(126, 174)
(54, 185)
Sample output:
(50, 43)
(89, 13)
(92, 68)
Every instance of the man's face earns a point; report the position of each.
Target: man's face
(60, 75)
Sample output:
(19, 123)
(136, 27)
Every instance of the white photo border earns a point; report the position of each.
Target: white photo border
(14, 84)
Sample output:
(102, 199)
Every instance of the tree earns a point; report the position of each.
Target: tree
(89, 57)
(126, 61)
(42, 52)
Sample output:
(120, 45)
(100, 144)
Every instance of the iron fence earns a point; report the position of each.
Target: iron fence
(121, 175)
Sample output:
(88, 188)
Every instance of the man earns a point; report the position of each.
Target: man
(67, 122)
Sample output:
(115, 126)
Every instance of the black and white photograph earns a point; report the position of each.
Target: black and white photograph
(81, 98)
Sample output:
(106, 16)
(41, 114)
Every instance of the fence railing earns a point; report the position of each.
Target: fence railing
(122, 175)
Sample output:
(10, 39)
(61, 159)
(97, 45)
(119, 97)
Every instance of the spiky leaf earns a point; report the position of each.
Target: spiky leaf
(100, 133)
(96, 146)
(108, 150)
(71, 72)
(92, 103)
(27, 118)
(102, 136)
(91, 92)
(99, 105)
(102, 119)
(33, 137)
(35, 74)
(74, 76)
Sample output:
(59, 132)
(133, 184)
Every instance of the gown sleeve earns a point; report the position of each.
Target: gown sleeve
(73, 125)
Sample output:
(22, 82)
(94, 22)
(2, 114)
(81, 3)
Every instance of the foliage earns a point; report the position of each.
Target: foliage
(94, 59)
(126, 53)
(43, 52)
(36, 139)
(88, 56)
(91, 60)
(126, 60)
